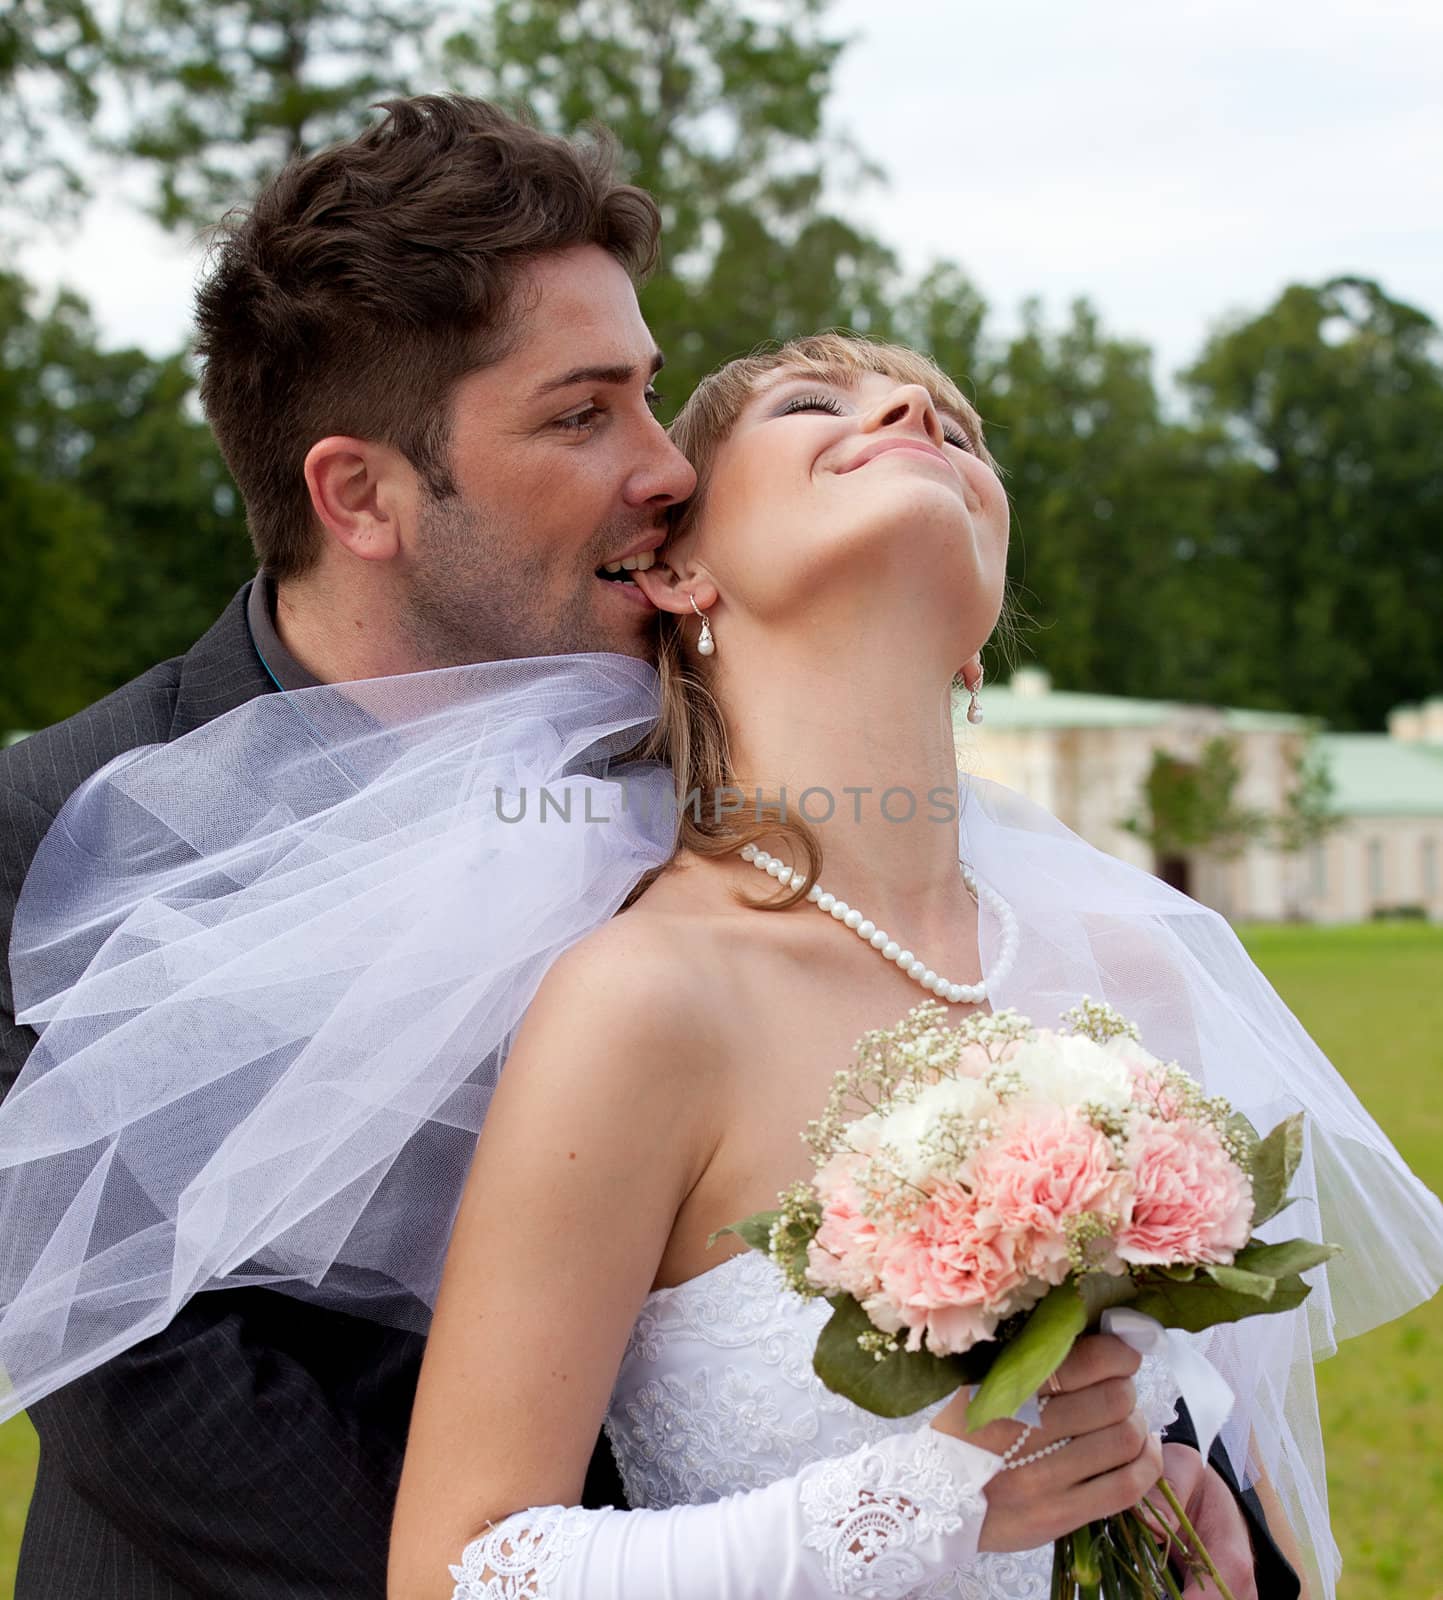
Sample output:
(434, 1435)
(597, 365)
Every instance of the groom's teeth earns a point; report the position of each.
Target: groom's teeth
(642, 563)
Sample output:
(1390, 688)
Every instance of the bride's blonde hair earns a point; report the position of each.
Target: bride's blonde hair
(690, 734)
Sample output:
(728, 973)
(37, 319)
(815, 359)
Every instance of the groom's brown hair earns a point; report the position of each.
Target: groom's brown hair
(369, 279)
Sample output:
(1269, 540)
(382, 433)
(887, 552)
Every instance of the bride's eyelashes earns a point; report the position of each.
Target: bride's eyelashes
(955, 433)
(812, 402)
(952, 432)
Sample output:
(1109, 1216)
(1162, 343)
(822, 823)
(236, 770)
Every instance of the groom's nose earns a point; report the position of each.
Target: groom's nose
(663, 478)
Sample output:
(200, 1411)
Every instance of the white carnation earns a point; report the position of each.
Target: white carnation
(903, 1129)
(1068, 1070)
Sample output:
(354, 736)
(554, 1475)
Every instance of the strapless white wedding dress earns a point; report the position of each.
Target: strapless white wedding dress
(752, 1481)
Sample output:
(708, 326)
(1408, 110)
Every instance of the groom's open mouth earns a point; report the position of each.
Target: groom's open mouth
(621, 571)
(617, 575)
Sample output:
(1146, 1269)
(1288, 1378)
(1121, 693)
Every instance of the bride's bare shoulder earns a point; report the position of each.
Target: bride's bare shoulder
(648, 979)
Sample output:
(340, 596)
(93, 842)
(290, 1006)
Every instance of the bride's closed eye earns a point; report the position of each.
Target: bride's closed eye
(952, 432)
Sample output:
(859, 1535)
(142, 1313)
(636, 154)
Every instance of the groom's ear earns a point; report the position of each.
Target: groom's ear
(363, 494)
(668, 590)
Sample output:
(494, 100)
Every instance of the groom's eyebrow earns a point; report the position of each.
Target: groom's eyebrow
(618, 375)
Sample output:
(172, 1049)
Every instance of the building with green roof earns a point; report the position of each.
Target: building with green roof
(1087, 757)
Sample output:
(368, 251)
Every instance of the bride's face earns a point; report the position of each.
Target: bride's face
(854, 491)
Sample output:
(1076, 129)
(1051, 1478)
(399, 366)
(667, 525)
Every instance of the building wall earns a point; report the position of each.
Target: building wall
(1371, 864)
(1092, 778)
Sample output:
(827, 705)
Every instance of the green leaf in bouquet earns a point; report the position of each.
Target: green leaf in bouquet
(1278, 1260)
(755, 1230)
(898, 1385)
(1259, 1285)
(1027, 1361)
(1274, 1162)
(1245, 1136)
(1204, 1303)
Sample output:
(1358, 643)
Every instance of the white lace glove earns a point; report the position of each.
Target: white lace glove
(876, 1524)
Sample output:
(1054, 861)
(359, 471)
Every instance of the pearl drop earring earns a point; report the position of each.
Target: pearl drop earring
(974, 710)
(705, 645)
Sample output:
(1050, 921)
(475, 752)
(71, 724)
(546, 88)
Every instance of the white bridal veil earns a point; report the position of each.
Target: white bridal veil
(276, 965)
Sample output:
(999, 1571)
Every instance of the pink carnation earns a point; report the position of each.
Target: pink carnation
(1047, 1166)
(1191, 1202)
(842, 1257)
(947, 1279)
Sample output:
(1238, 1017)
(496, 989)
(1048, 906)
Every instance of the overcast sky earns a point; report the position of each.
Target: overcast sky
(1172, 160)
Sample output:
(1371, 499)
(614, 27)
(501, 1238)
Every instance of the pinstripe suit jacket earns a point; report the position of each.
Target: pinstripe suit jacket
(252, 1450)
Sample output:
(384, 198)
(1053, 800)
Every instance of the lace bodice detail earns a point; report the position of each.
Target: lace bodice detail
(716, 1393)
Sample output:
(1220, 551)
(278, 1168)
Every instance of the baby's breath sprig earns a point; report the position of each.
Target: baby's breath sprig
(799, 1215)
(1175, 1095)
(1083, 1232)
(1005, 1082)
(1112, 1124)
(951, 1139)
(894, 1064)
(1096, 1020)
(994, 1028)
(878, 1345)
(887, 1195)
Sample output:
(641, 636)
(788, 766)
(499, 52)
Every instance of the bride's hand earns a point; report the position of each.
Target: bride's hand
(1110, 1464)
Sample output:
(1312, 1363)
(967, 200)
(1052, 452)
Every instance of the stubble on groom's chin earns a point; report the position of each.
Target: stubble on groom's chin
(472, 596)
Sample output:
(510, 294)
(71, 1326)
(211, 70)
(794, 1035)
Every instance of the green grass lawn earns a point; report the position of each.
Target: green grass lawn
(17, 1473)
(1382, 1397)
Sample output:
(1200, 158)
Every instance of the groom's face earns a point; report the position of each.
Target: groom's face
(560, 467)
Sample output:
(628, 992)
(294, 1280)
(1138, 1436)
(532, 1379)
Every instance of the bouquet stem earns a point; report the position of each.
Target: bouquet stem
(1197, 1550)
(1126, 1557)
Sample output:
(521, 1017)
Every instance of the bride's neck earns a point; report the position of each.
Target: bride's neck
(865, 752)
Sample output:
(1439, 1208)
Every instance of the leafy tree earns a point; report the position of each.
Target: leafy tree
(52, 552)
(1334, 396)
(1308, 814)
(1106, 514)
(50, 53)
(719, 113)
(1191, 806)
(120, 531)
(228, 90)
(944, 314)
(718, 109)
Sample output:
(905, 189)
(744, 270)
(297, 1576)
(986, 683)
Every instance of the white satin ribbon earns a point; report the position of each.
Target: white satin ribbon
(1202, 1386)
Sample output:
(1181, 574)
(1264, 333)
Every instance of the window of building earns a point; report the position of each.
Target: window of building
(1430, 869)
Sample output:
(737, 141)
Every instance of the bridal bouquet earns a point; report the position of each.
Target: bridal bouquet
(984, 1192)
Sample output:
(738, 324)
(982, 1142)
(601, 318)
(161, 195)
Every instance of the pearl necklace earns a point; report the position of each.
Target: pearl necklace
(886, 946)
